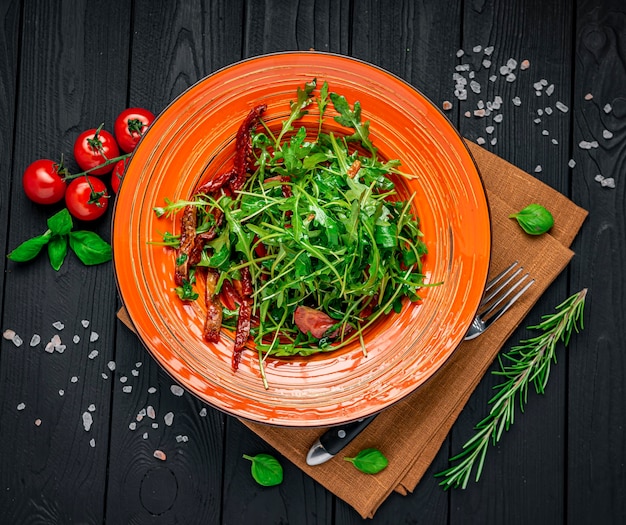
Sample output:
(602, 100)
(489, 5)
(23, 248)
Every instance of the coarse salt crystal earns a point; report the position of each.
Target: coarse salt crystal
(61, 392)
(504, 70)
(479, 113)
(85, 323)
(93, 354)
(92, 443)
(132, 425)
(91, 408)
(58, 325)
(8, 334)
(471, 74)
(480, 141)
(609, 182)
(37, 422)
(494, 141)
(607, 134)
(460, 53)
(93, 337)
(127, 389)
(538, 168)
(588, 96)
(486, 63)
(571, 163)
(21, 406)
(517, 101)
(111, 365)
(203, 412)
(74, 379)
(176, 390)
(151, 390)
(150, 412)
(135, 373)
(511, 63)
(35, 340)
(607, 108)
(543, 82)
(561, 107)
(155, 425)
(538, 86)
(138, 364)
(537, 121)
(123, 379)
(555, 142)
(477, 49)
(468, 114)
(548, 110)
(490, 129)
(76, 339)
(60, 348)
(545, 132)
(583, 144)
(489, 50)
(493, 78)
(480, 104)
(498, 118)
(447, 105)
(104, 376)
(525, 64)
(511, 77)
(475, 86)
(159, 454)
(17, 340)
(168, 418)
(182, 438)
(540, 112)
(550, 89)
(145, 435)
(87, 421)
(538, 93)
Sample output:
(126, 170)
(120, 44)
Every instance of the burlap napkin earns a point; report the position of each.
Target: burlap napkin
(421, 422)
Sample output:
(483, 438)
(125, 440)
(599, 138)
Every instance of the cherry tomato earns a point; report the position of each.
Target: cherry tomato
(118, 174)
(42, 182)
(94, 147)
(130, 125)
(86, 198)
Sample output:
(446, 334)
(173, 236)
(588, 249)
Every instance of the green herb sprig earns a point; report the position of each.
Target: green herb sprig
(528, 363)
(88, 246)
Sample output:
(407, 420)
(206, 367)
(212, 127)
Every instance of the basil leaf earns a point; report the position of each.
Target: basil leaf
(90, 247)
(29, 249)
(534, 219)
(369, 461)
(57, 250)
(265, 469)
(61, 223)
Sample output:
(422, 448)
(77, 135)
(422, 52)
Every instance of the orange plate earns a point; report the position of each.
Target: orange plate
(193, 139)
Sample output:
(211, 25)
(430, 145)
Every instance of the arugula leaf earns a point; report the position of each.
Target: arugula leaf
(298, 108)
(351, 118)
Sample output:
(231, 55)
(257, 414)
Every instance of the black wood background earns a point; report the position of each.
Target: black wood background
(68, 65)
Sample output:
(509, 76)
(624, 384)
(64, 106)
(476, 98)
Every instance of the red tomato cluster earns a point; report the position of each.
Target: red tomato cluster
(86, 196)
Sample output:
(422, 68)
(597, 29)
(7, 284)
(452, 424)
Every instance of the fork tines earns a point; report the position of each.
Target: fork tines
(503, 291)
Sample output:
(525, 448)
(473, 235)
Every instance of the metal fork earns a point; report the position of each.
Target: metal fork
(500, 294)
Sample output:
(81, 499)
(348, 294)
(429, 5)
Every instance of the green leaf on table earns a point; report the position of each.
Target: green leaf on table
(534, 219)
(30, 249)
(57, 250)
(369, 461)
(61, 223)
(90, 248)
(265, 469)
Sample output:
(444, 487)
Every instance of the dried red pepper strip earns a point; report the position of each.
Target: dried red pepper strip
(187, 240)
(213, 320)
(243, 147)
(245, 313)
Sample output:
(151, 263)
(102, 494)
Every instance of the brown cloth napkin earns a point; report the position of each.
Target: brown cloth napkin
(421, 422)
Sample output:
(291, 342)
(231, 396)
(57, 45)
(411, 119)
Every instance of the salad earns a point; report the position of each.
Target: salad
(305, 242)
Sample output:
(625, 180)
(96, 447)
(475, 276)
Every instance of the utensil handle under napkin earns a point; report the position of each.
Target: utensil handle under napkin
(336, 438)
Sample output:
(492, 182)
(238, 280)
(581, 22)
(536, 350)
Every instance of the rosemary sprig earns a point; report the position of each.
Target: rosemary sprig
(528, 363)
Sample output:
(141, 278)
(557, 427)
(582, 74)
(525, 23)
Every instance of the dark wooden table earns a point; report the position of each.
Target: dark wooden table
(69, 65)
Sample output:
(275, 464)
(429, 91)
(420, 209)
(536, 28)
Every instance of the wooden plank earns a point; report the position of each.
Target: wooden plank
(597, 400)
(175, 44)
(70, 78)
(535, 139)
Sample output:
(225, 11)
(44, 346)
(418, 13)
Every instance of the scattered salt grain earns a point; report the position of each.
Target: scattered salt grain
(490, 129)
(493, 78)
(182, 439)
(460, 53)
(489, 50)
(517, 101)
(9, 334)
(76, 339)
(561, 107)
(61, 392)
(155, 425)
(132, 425)
(93, 354)
(111, 365)
(486, 63)
(85, 323)
(151, 390)
(498, 118)
(605, 182)
(607, 134)
(550, 89)
(524, 65)
(138, 364)
(176, 390)
(87, 421)
(168, 418)
(92, 443)
(480, 141)
(537, 121)
(127, 389)
(37, 422)
(607, 108)
(123, 379)
(159, 454)
(477, 49)
(135, 373)
(538, 86)
(588, 96)
(511, 77)
(545, 132)
(479, 113)
(548, 111)
(203, 412)
(21, 406)
(91, 408)
(494, 141)
(540, 112)
(475, 86)
(35, 340)
(74, 379)
(504, 70)
(468, 114)
(555, 142)
(104, 376)
(150, 412)
(538, 168)
(58, 325)
(447, 105)
(571, 163)
(93, 337)
(141, 414)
